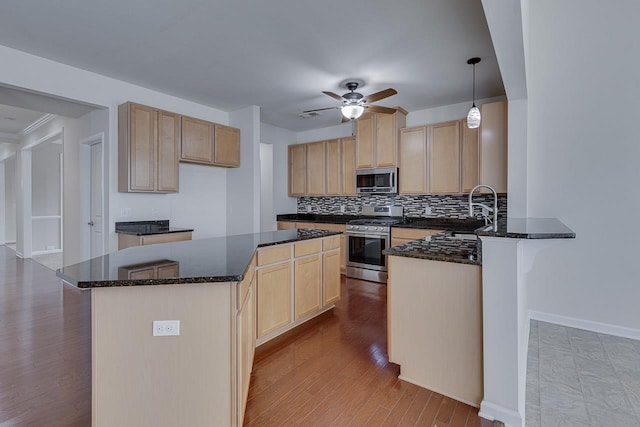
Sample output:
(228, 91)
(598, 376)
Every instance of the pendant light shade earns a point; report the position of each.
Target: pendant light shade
(473, 118)
(352, 112)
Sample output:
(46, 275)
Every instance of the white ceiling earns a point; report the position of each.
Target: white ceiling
(277, 54)
(14, 120)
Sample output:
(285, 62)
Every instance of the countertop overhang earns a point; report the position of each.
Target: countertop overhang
(218, 259)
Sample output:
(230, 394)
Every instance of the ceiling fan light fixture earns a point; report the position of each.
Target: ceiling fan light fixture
(473, 118)
(352, 112)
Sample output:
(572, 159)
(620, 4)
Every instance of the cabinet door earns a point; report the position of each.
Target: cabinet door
(245, 342)
(469, 157)
(143, 274)
(413, 161)
(386, 140)
(333, 167)
(226, 146)
(307, 285)
(142, 148)
(331, 277)
(168, 271)
(315, 168)
(444, 158)
(365, 131)
(298, 170)
(348, 149)
(274, 298)
(168, 152)
(197, 141)
(493, 145)
(286, 225)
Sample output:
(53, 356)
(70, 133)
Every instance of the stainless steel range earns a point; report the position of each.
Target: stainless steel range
(367, 238)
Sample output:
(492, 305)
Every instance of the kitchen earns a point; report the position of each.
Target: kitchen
(538, 180)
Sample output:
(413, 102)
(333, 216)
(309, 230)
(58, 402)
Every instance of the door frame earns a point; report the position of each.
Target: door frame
(25, 175)
(85, 144)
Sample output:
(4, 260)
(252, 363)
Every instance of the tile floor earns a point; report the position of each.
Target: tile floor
(581, 378)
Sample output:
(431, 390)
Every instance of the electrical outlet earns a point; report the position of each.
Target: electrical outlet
(427, 210)
(125, 212)
(154, 211)
(342, 208)
(166, 328)
(308, 208)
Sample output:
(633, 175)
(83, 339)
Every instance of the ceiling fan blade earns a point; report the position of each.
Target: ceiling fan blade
(380, 95)
(320, 109)
(380, 109)
(333, 95)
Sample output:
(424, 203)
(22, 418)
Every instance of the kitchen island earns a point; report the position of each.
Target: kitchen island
(227, 294)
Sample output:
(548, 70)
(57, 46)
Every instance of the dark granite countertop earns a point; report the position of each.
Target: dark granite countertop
(147, 228)
(528, 228)
(441, 247)
(219, 259)
(408, 222)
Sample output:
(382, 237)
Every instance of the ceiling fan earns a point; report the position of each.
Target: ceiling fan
(354, 103)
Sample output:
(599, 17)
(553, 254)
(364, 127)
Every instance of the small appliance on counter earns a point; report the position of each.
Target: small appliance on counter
(367, 238)
(377, 181)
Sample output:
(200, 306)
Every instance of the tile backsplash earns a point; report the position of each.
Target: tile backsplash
(442, 206)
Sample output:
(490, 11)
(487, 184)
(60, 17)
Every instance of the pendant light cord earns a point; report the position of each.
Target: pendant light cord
(474, 85)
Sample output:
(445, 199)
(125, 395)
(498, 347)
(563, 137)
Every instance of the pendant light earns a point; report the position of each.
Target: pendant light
(473, 118)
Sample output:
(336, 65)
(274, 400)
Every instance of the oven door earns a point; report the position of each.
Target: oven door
(365, 250)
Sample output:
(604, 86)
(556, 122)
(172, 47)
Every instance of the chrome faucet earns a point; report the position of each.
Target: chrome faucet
(486, 209)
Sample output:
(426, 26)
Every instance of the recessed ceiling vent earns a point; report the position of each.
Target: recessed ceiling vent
(309, 114)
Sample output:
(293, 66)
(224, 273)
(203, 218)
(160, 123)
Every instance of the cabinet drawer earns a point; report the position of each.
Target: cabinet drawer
(330, 227)
(308, 248)
(165, 238)
(274, 254)
(329, 243)
(412, 233)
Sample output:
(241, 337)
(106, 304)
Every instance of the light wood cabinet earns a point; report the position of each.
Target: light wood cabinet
(226, 146)
(365, 134)
(208, 143)
(348, 151)
(307, 285)
(274, 298)
(412, 165)
(197, 141)
(286, 225)
(443, 158)
(377, 139)
(245, 344)
(493, 145)
(333, 167)
(469, 157)
(127, 240)
(148, 141)
(297, 169)
(315, 168)
(330, 277)
(401, 236)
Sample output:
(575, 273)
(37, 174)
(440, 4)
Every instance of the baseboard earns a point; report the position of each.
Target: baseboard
(428, 387)
(46, 252)
(493, 412)
(572, 322)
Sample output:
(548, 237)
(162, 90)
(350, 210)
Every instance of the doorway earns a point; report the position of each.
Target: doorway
(92, 153)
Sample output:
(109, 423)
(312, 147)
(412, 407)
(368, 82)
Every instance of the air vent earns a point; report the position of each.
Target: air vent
(310, 114)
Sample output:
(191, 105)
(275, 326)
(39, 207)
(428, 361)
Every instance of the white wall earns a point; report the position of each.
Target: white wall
(584, 156)
(23, 70)
(10, 199)
(45, 180)
(280, 139)
(267, 215)
(243, 183)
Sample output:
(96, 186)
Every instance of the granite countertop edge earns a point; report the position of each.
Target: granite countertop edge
(460, 251)
(151, 233)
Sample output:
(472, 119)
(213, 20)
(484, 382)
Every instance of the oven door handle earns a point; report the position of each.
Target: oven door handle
(368, 235)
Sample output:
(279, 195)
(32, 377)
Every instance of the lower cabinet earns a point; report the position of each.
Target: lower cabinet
(307, 285)
(400, 236)
(274, 298)
(288, 225)
(245, 345)
(294, 283)
(127, 240)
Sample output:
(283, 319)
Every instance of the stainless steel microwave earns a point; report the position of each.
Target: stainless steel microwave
(377, 181)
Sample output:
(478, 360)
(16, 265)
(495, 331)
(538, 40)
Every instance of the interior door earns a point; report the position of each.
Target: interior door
(96, 220)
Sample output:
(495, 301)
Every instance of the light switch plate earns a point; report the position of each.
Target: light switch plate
(427, 210)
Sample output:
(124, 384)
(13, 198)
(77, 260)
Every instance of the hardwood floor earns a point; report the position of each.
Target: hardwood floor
(335, 372)
(45, 347)
(332, 371)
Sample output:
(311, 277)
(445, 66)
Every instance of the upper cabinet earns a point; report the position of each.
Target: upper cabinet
(315, 168)
(412, 162)
(148, 141)
(209, 143)
(348, 160)
(493, 145)
(333, 167)
(377, 139)
(297, 170)
(443, 158)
